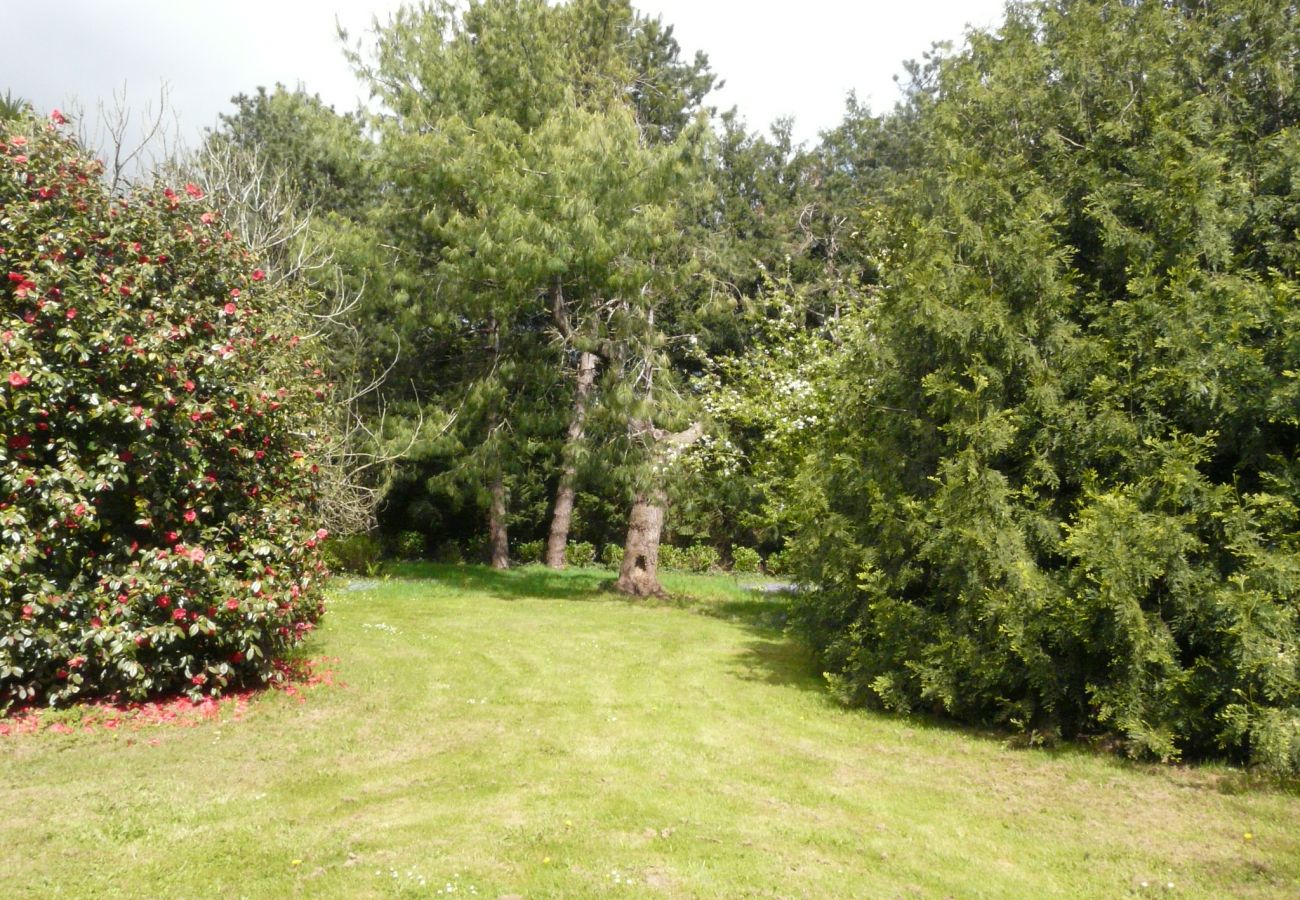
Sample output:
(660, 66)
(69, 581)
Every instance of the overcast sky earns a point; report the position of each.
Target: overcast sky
(795, 59)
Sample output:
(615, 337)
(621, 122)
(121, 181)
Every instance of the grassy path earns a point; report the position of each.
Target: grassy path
(525, 735)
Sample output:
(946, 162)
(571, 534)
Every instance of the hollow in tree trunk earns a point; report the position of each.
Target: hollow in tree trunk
(498, 537)
(639, 573)
(562, 517)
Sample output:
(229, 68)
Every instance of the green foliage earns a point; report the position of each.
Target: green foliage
(359, 554)
(672, 558)
(157, 488)
(611, 556)
(409, 545)
(1058, 485)
(529, 551)
(448, 552)
(745, 561)
(579, 553)
(777, 564)
(701, 559)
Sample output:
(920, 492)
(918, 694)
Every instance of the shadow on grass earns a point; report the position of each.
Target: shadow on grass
(518, 583)
(772, 657)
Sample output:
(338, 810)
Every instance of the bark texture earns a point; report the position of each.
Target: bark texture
(639, 573)
(498, 536)
(562, 517)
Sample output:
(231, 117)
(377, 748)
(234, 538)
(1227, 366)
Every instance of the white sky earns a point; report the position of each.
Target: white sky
(778, 58)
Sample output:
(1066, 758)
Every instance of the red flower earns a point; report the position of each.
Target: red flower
(232, 604)
(19, 442)
(28, 610)
(18, 379)
(72, 313)
(234, 292)
(194, 190)
(229, 309)
(197, 555)
(58, 118)
(189, 386)
(190, 515)
(79, 509)
(164, 601)
(18, 141)
(207, 218)
(258, 274)
(178, 615)
(321, 534)
(199, 679)
(237, 657)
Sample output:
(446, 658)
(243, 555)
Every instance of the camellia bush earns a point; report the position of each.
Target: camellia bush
(156, 438)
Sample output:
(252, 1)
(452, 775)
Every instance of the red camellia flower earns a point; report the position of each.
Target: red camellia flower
(207, 218)
(232, 604)
(58, 118)
(79, 509)
(258, 274)
(199, 679)
(164, 601)
(197, 555)
(28, 610)
(194, 190)
(229, 309)
(18, 379)
(178, 615)
(19, 442)
(190, 515)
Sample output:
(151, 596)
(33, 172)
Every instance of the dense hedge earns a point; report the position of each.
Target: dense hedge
(155, 470)
(1061, 489)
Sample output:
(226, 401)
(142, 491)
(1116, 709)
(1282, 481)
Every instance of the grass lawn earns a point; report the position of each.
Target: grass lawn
(527, 735)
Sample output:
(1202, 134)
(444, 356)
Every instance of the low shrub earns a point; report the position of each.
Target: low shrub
(529, 551)
(409, 545)
(701, 558)
(358, 554)
(672, 558)
(579, 553)
(776, 564)
(745, 560)
(611, 556)
(448, 552)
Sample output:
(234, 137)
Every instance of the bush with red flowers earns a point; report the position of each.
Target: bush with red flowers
(155, 441)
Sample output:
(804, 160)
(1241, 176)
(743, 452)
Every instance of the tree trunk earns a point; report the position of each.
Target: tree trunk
(639, 573)
(562, 517)
(498, 537)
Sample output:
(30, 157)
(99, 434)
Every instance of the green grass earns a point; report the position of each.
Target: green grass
(528, 734)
